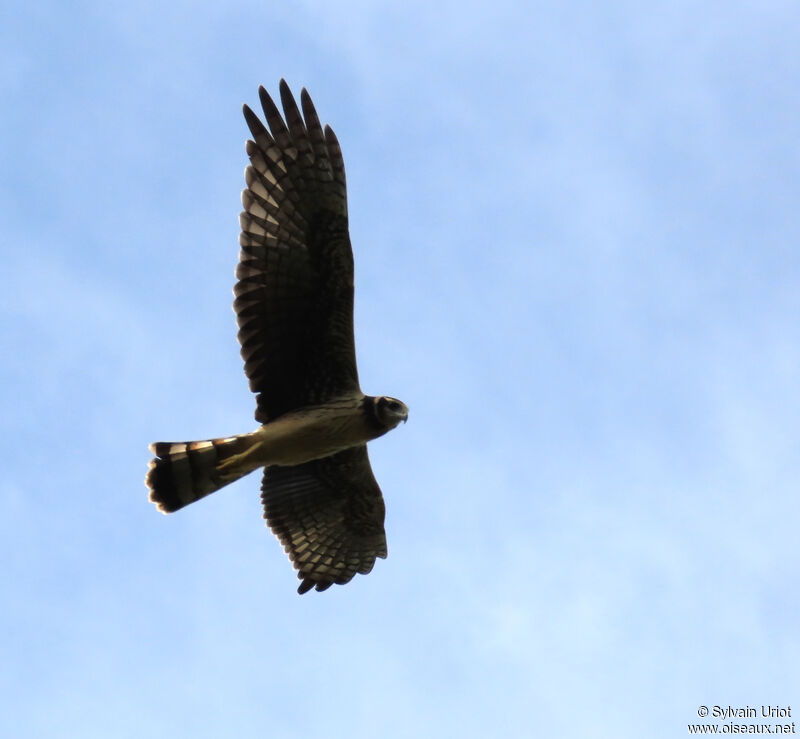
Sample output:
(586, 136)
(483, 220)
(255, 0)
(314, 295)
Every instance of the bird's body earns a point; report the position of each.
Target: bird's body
(312, 432)
(294, 304)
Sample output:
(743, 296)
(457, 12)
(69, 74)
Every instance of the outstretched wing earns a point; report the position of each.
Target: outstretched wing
(328, 514)
(294, 295)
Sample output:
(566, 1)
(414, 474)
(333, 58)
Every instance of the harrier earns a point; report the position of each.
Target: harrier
(294, 308)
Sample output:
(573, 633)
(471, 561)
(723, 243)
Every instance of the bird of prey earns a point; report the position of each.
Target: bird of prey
(294, 308)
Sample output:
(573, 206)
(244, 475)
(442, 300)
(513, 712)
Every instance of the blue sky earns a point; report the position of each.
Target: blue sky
(576, 236)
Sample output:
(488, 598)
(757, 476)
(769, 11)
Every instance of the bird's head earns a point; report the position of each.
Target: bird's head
(390, 411)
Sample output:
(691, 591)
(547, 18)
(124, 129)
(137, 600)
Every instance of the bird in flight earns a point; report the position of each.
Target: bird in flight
(294, 308)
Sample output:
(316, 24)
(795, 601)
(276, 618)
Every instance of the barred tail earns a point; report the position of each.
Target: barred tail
(185, 471)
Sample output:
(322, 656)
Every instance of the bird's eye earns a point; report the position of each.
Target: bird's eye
(394, 405)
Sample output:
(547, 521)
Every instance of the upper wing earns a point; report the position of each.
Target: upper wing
(328, 514)
(294, 295)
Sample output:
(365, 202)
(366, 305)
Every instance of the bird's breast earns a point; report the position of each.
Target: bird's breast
(312, 433)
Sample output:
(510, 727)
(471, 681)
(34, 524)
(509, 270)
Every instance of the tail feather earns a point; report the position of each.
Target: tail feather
(185, 471)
